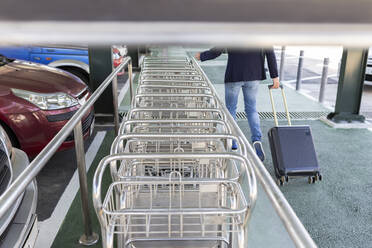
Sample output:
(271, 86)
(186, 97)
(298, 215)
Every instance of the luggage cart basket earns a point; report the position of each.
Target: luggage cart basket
(168, 72)
(168, 89)
(169, 113)
(175, 209)
(178, 83)
(174, 101)
(215, 166)
(172, 77)
(175, 143)
(174, 126)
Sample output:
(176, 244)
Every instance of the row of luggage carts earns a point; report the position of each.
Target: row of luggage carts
(174, 180)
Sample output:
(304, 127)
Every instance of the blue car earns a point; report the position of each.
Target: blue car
(73, 59)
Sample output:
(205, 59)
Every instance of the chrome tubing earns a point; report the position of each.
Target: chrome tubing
(141, 89)
(175, 129)
(220, 115)
(97, 179)
(293, 225)
(126, 124)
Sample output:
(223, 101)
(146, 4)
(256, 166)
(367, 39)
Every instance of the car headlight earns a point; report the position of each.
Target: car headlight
(52, 101)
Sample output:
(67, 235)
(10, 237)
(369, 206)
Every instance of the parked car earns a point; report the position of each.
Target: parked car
(36, 101)
(19, 225)
(73, 59)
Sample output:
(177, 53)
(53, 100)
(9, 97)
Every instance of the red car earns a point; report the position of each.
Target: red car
(36, 101)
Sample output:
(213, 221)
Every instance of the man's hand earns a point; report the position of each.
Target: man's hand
(197, 56)
(276, 83)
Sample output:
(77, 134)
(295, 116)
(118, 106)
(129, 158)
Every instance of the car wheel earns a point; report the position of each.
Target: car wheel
(77, 72)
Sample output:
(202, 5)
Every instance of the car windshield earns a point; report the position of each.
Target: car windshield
(4, 60)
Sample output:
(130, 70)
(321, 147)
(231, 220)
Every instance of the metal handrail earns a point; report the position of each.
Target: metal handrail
(23, 180)
(293, 225)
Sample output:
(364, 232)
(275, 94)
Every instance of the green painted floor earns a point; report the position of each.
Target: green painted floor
(125, 103)
(72, 227)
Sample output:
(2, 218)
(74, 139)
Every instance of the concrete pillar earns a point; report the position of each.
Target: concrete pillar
(350, 86)
(100, 66)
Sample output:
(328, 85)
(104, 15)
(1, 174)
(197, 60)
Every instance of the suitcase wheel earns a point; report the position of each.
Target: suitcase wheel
(280, 181)
(313, 179)
(318, 177)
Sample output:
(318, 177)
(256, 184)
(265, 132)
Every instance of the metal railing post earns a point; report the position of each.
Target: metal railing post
(299, 70)
(130, 72)
(323, 82)
(282, 59)
(89, 237)
(115, 103)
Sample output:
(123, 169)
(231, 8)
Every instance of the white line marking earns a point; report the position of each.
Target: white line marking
(141, 60)
(50, 227)
(124, 90)
(306, 95)
(309, 78)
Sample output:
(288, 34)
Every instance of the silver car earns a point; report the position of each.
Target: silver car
(18, 227)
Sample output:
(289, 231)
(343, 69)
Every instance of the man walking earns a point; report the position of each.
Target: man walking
(245, 69)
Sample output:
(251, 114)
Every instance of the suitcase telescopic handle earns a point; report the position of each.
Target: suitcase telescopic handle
(285, 105)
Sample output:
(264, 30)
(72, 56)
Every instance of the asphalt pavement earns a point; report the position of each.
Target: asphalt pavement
(311, 77)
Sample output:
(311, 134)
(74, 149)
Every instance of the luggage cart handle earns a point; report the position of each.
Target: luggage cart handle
(285, 105)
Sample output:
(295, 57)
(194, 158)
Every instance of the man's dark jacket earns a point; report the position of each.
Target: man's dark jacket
(246, 65)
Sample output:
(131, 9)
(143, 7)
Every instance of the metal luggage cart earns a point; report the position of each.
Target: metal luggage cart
(174, 143)
(179, 83)
(168, 89)
(163, 143)
(174, 101)
(168, 72)
(180, 210)
(173, 62)
(165, 59)
(170, 66)
(172, 77)
(174, 114)
(214, 166)
(174, 126)
(183, 64)
(188, 168)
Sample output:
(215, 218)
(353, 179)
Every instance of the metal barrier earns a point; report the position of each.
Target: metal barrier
(294, 227)
(74, 124)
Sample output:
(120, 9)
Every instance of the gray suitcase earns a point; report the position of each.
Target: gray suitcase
(292, 149)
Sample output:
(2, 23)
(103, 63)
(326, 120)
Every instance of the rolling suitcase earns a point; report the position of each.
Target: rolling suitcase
(292, 149)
